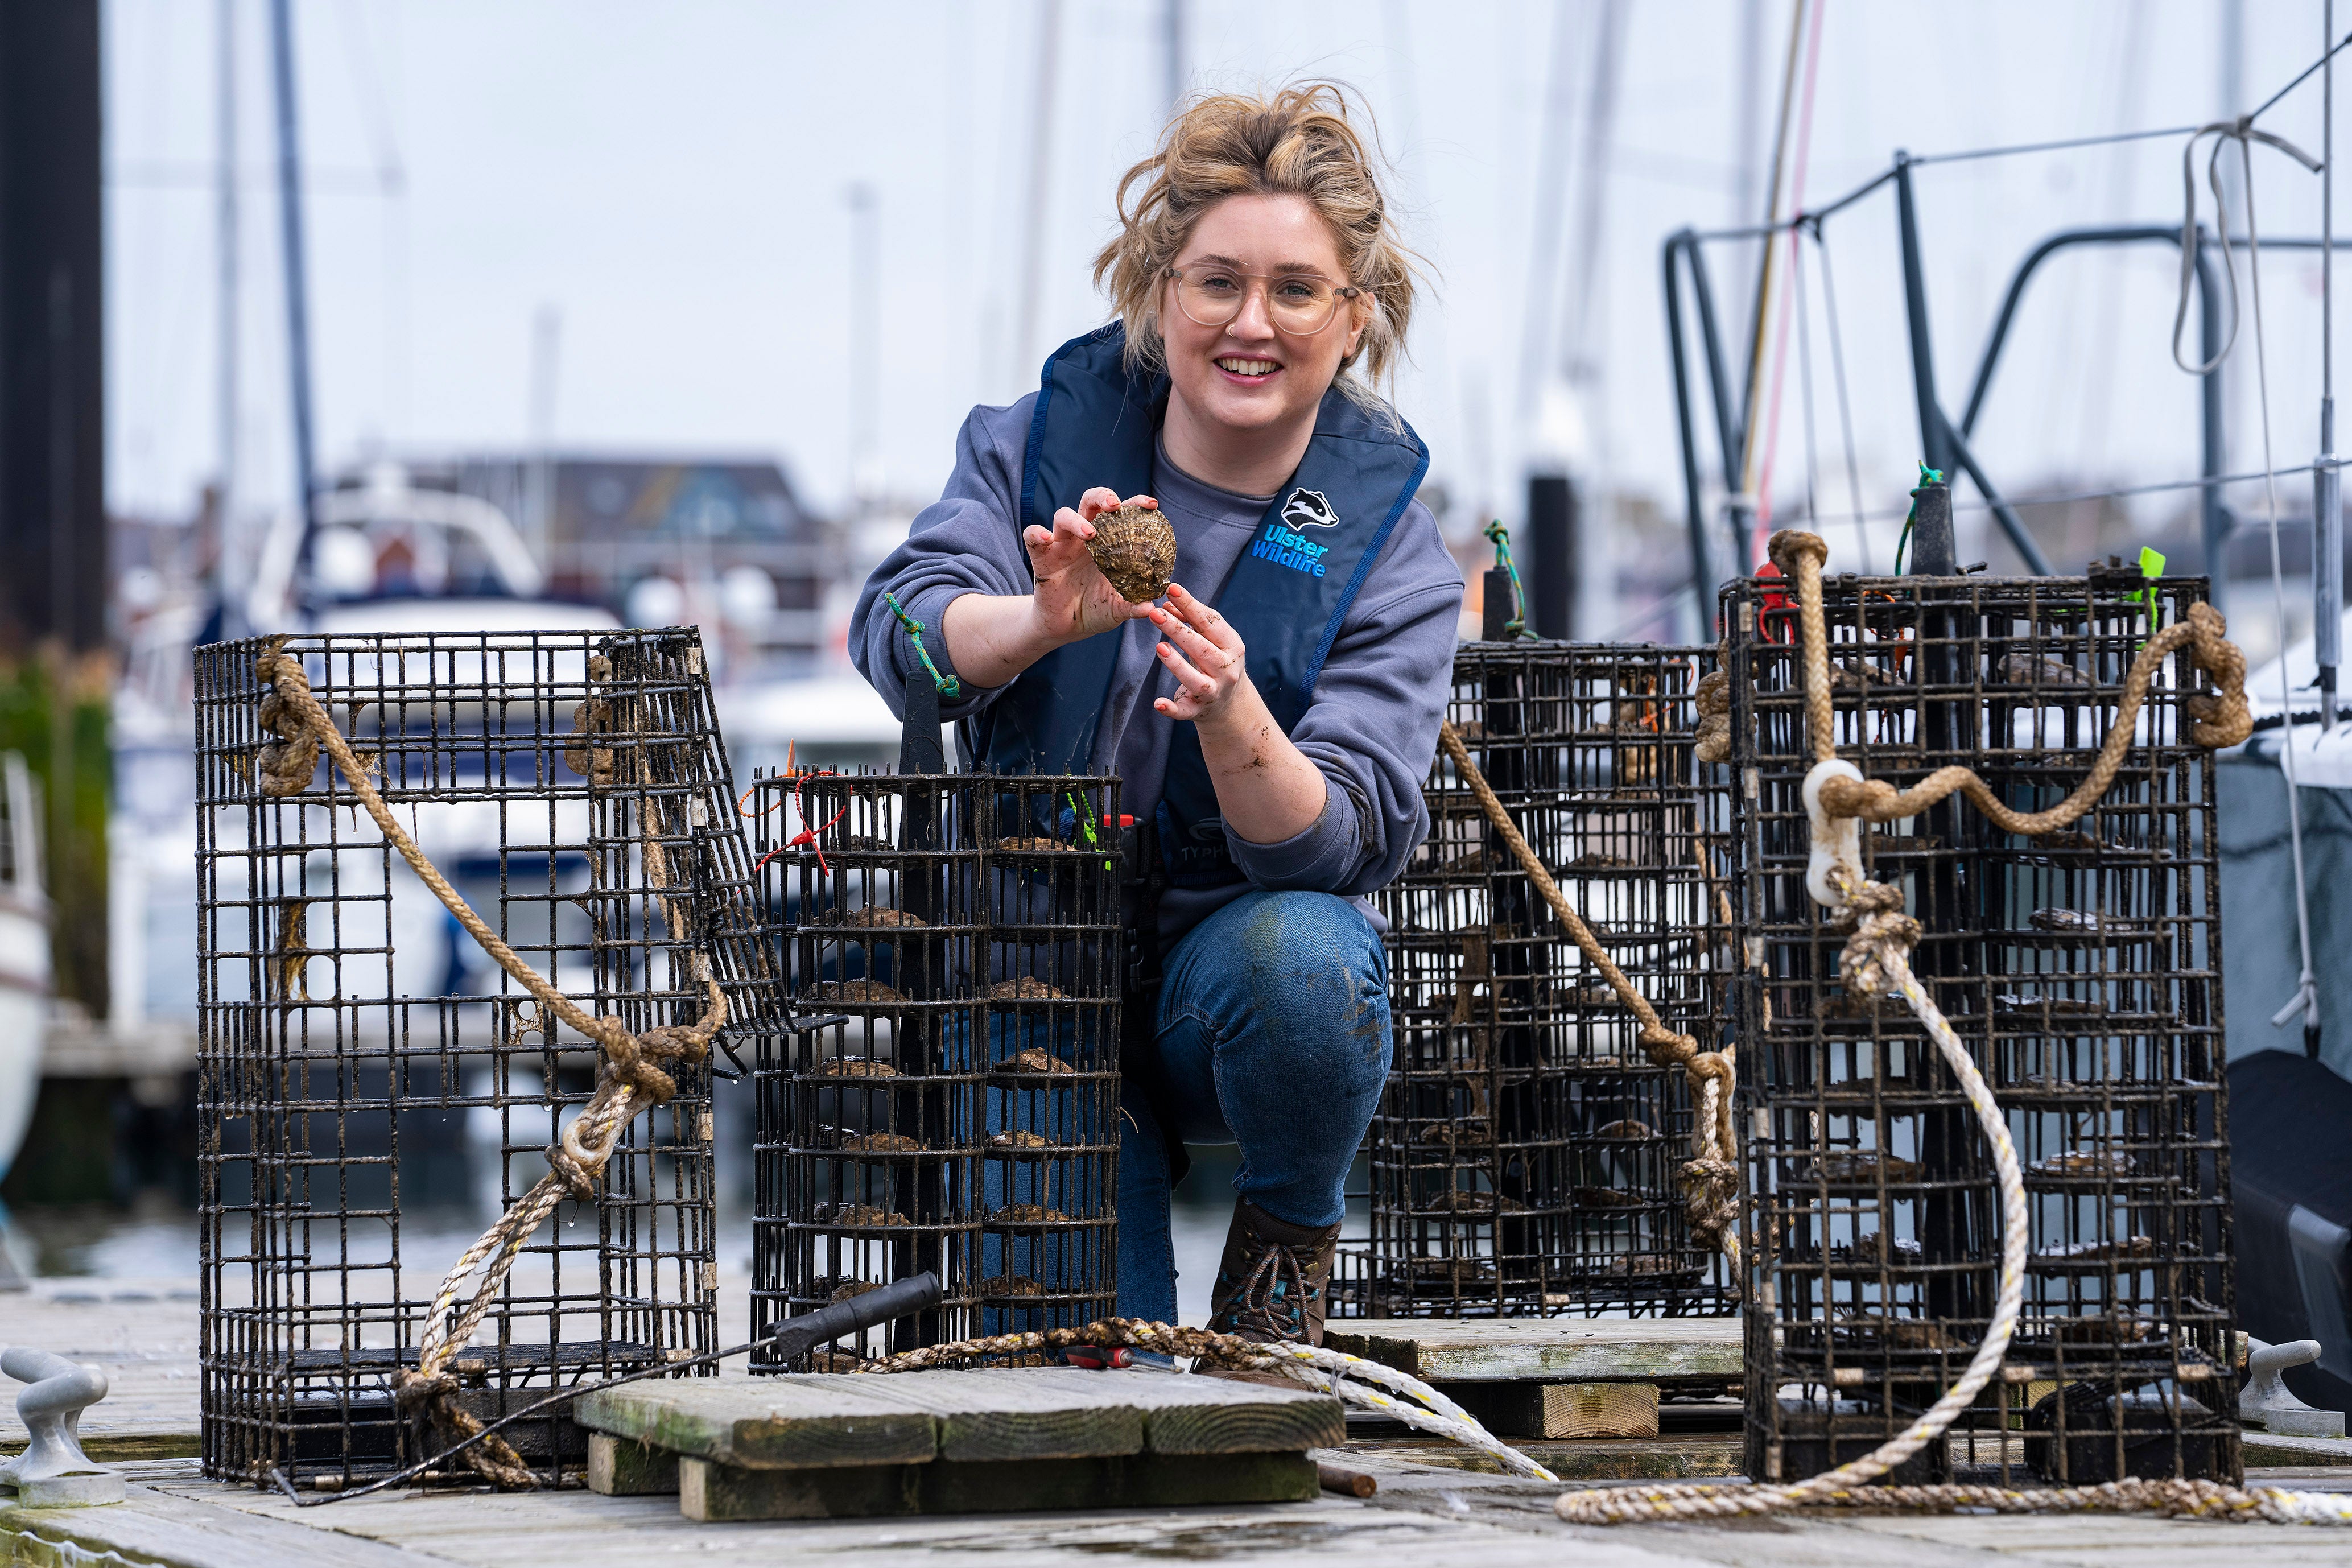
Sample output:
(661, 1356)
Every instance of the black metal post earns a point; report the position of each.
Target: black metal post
(1551, 537)
(919, 966)
(1703, 577)
(1495, 606)
(1934, 448)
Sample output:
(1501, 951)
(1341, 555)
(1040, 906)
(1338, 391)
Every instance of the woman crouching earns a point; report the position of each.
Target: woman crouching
(1272, 718)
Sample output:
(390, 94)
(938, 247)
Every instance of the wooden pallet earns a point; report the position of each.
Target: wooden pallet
(1553, 1377)
(984, 1441)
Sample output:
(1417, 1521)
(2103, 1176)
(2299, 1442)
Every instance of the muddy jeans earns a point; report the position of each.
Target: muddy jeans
(1274, 1035)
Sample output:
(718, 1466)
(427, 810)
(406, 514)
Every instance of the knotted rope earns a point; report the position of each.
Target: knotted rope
(1351, 1379)
(1709, 1179)
(1877, 962)
(2219, 719)
(632, 1070)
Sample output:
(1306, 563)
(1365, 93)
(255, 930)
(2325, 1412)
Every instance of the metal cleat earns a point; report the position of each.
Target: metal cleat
(53, 1471)
(2266, 1401)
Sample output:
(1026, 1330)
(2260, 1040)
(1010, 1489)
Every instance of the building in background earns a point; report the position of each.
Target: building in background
(726, 543)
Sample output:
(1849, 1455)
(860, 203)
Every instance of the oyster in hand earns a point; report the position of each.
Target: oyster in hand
(1136, 550)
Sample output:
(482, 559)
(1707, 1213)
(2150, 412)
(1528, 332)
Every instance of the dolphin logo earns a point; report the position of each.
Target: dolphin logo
(1307, 509)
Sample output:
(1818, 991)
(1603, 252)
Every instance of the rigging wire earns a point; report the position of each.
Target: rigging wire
(2301, 77)
(1967, 154)
(2070, 144)
(2305, 1001)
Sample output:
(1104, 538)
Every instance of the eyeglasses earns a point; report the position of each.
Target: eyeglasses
(1299, 303)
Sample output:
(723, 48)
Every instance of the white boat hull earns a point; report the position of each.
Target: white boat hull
(23, 1018)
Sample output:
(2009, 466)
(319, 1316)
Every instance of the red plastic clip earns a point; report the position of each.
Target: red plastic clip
(806, 836)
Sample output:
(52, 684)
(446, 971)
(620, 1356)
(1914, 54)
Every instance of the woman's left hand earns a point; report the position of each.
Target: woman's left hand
(1205, 654)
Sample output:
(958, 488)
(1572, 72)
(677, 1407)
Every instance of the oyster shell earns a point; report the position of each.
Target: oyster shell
(1136, 550)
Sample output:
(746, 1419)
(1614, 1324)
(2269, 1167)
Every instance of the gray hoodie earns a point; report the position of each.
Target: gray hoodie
(1371, 727)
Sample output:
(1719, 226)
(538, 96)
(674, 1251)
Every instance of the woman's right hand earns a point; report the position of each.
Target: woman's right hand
(1073, 599)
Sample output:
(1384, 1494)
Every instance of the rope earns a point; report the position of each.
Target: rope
(2223, 131)
(630, 1071)
(948, 685)
(1877, 962)
(2305, 1000)
(1709, 1179)
(1516, 626)
(1336, 1372)
(2220, 718)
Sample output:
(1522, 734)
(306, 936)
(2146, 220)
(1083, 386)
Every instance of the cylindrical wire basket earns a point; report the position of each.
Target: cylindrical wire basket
(370, 1083)
(2083, 971)
(1524, 1154)
(944, 1096)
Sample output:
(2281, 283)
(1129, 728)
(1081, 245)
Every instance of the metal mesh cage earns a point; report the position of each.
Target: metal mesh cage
(1523, 1156)
(2083, 971)
(370, 1082)
(948, 1097)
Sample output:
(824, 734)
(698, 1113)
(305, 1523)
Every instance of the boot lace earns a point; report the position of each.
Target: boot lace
(1273, 1295)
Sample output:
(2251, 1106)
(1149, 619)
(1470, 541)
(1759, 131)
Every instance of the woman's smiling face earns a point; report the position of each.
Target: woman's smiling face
(1248, 376)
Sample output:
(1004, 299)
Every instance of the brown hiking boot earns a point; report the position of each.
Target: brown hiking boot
(1271, 1283)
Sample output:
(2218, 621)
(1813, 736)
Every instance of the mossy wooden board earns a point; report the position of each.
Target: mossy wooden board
(1548, 1350)
(992, 1415)
(709, 1492)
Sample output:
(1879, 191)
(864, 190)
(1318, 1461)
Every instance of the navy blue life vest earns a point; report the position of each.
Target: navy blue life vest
(1096, 425)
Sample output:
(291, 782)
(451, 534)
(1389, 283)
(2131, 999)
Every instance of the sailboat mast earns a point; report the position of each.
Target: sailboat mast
(2328, 558)
(298, 302)
(230, 561)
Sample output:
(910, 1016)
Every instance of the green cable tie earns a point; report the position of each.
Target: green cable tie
(947, 685)
(1516, 626)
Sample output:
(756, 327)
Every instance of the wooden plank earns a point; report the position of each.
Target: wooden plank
(1215, 1415)
(1602, 1460)
(1548, 1350)
(2263, 1448)
(156, 1527)
(622, 1467)
(975, 1417)
(806, 1423)
(141, 1334)
(1013, 1413)
(1180, 1414)
(1582, 1410)
(712, 1492)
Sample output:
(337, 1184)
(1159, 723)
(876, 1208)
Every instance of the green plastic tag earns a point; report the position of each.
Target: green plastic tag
(2151, 567)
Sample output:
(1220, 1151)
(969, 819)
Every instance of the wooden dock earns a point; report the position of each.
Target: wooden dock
(1434, 1505)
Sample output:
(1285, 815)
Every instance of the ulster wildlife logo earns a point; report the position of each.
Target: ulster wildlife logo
(1307, 509)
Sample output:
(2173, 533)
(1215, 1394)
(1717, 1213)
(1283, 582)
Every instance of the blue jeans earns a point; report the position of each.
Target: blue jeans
(1272, 1034)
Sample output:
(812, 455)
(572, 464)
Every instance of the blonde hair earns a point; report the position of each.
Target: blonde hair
(1300, 142)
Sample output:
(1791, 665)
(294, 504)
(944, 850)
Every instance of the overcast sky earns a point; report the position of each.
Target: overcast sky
(667, 180)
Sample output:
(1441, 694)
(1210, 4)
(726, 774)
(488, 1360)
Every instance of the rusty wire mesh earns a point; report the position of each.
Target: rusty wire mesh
(1523, 1157)
(371, 1084)
(2082, 969)
(946, 1097)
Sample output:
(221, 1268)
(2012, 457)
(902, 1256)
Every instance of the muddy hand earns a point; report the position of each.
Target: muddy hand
(1205, 654)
